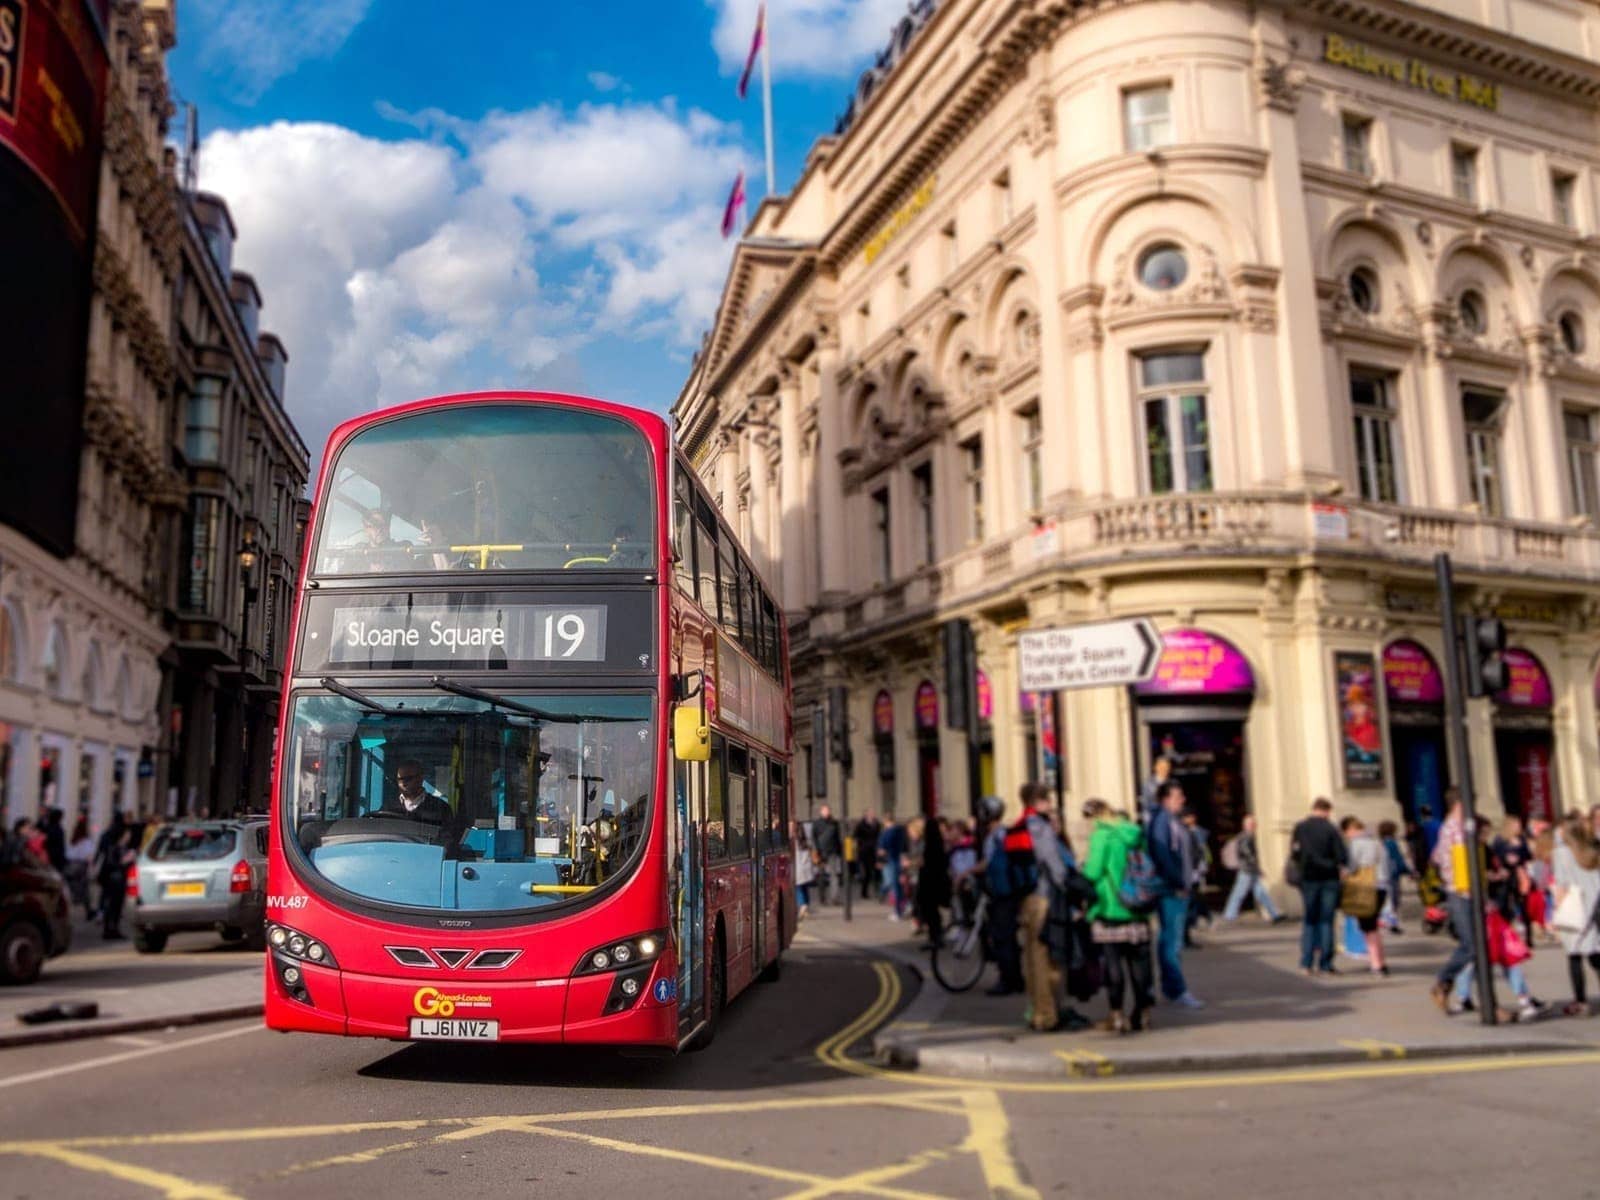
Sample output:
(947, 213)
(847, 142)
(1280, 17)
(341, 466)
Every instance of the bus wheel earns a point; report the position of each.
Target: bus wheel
(773, 971)
(716, 998)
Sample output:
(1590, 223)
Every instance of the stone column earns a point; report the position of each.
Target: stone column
(1543, 435)
(830, 474)
(1443, 428)
(791, 504)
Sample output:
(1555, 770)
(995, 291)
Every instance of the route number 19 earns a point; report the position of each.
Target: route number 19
(570, 628)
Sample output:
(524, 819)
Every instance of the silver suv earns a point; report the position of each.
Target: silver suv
(201, 875)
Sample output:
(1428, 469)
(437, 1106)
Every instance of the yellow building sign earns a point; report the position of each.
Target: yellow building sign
(903, 216)
(1412, 72)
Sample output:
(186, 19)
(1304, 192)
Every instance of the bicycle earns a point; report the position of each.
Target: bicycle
(963, 951)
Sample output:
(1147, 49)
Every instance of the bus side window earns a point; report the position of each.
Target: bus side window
(716, 816)
(728, 571)
(705, 536)
(778, 805)
(771, 654)
(684, 532)
(738, 817)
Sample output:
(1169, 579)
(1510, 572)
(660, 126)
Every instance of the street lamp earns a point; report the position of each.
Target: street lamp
(247, 565)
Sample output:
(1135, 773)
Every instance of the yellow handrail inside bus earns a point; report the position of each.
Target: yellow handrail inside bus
(483, 552)
(588, 558)
(560, 889)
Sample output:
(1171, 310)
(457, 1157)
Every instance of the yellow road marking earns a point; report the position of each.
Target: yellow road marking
(990, 1140)
(174, 1187)
(1086, 1062)
(354, 1158)
(872, 1176)
(1373, 1048)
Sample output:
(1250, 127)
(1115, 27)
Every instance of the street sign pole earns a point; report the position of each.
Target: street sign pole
(839, 721)
(1456, 708)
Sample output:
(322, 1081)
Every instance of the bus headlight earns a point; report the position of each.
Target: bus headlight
(641, 949)
(291, 945)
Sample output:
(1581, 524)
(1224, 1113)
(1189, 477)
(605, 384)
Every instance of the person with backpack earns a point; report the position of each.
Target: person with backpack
(1118, 927)
(1033, 852)
(1005, 898)
(1242, 854)
(1173, 855)
(1318, 857)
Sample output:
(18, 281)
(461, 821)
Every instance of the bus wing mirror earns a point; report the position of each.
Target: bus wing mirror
(691, 736)
(688, 685)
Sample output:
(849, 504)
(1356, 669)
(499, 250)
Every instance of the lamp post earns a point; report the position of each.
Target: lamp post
(247, 564)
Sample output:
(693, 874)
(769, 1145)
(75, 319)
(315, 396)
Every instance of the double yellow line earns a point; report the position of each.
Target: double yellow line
(835, 1050)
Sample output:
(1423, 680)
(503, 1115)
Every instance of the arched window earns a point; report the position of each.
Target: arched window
(55, 660)
(89, 684)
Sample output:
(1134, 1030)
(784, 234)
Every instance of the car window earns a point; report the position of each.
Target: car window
(190, 843)
(261, 840)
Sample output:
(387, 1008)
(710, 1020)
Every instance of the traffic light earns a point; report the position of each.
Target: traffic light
(819, 751)
(1486, 663)
(839, 715)
(960, 674)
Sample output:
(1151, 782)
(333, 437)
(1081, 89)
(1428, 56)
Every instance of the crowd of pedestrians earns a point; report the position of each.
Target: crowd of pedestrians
(95, 868)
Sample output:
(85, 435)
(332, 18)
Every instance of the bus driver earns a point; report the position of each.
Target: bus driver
(417, 800)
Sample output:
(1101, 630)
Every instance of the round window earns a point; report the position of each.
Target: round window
(1571, 327)
(1474, 316)
(1363, 286)
(1163, 268)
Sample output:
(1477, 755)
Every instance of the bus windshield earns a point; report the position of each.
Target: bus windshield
(444, 801)
(478, 487)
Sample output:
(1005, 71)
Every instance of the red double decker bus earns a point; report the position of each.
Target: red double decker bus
(532, 776)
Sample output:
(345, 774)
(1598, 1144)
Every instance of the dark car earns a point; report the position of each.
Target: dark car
(201, 875)
(35, 915)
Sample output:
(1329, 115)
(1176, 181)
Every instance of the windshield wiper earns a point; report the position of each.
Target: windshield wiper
(527, 710)
(349, 693)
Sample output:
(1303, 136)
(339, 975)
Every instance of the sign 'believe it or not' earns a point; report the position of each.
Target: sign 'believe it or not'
(1107, 654)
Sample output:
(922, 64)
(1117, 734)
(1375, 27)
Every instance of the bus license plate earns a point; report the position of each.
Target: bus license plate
(457, 1029)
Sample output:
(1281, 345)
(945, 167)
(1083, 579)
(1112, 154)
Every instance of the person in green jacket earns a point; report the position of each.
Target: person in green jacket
(1122, 934)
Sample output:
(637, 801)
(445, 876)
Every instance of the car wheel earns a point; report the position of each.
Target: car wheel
(21, 952)
(149, 941)
(231, 933)
(255, 936)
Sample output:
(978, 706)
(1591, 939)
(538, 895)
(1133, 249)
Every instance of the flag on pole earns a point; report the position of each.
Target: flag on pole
(730, 214)
(756, 42)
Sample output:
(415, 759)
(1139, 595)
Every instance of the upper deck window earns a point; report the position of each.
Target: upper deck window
(514, 487)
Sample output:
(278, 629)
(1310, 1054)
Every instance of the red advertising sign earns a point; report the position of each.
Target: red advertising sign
(927, 706)
(883, 714)
(1527, 685)
(985, 697)
(52, 97)
(1410, 676)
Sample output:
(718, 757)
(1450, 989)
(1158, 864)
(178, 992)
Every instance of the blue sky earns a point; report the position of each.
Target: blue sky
(520, 194)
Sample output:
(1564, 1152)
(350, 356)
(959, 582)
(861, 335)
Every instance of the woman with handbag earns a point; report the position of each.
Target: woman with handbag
(1122, 933)
(1576, 870)
(1362, 894)
(805, 869)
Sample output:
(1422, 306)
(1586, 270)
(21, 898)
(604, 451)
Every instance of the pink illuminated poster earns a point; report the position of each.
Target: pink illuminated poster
(1527, 685)
(1410, 675)
(1196, 663)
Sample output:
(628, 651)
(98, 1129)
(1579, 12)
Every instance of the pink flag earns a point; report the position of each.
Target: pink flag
(755, 49)
(730, 214)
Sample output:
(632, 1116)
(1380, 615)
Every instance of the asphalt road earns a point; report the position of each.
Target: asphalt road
(777, 1107)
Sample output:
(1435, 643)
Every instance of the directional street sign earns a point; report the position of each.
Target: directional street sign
(1108, 654)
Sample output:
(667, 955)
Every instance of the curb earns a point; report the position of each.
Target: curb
(973, 1062)
(72, 1032)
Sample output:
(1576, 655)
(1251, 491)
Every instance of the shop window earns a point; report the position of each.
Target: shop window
(202, 440)
(922, 498)
(1031, 437)
(1482, 413)
(1173, 400)
(1147, 117)
(1464, 173)
(1373, 407)
(1357, 140)
(1583, 450)
(1563, 187)
(972, 482)
(882, 535)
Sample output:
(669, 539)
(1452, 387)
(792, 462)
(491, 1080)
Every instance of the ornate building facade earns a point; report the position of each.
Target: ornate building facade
(81, 637)
(1226, 314)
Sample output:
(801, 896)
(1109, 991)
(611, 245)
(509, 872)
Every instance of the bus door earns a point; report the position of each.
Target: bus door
(689, 897)
(758, 846)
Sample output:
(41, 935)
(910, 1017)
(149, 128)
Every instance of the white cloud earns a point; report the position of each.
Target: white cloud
(826, 38)
(398, 268)
(604, 81)
(254, 43)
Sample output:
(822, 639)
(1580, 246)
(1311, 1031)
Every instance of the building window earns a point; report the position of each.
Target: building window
(1562, 188)
(1372, 402)
(1364, 293)
(1481, 412)
(54, 654)
(1570, 326)
(1474, 314)
(1147, 117)
(922, 497)
(949, 253)
(1464, 173)
(883, 535)
(1583, 449)
(1172, 396)
(972, 478)
(1358, 144)
(202, 440)
(1004, 203)
(202, 553)
(1163, 267)
(1032, 459)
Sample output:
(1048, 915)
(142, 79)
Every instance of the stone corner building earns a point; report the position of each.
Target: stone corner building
(1227, 314)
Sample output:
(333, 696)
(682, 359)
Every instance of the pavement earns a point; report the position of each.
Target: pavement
(197, 979)
(1261, 1011)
